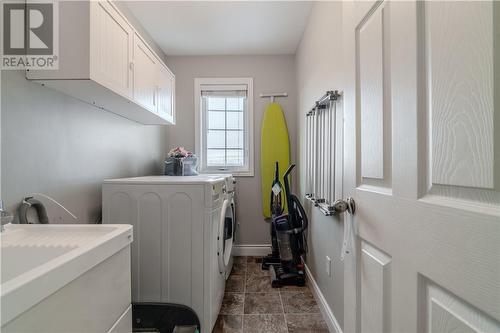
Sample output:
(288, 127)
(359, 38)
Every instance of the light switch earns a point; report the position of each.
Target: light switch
(328, 263)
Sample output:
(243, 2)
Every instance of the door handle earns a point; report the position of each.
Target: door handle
(341, 206)
(338, 207)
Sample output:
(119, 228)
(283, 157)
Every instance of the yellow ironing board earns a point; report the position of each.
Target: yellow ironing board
(274, 147)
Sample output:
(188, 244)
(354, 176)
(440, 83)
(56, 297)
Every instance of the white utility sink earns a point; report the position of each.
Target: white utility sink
(38, 260)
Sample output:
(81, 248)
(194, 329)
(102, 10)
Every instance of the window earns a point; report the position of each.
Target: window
(224, 125)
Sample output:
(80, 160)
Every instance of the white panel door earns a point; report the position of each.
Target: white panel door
(145, 75)
(422, 161)
(166, 94)
(111, 39)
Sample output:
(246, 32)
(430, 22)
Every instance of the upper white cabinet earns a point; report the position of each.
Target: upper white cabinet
(111, 38)
(166, 94)
(104, 61)
(146, 67)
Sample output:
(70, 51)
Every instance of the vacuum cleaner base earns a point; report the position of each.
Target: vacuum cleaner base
(280, 278)
(269, 260)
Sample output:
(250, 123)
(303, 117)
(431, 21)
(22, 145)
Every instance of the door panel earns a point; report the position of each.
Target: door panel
(111, 48)
(461, 114)
(460, 86)
(371, 82)
(149, 284)
(166, 94)
(447, 313)
(181, 223)
(421, 160)
(373, 87)
(145, 75)
(375, 289)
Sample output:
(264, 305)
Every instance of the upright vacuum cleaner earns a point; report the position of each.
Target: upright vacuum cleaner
(289, 241)
(277, 209)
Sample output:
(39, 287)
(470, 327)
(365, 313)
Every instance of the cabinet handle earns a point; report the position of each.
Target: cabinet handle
(131, 65)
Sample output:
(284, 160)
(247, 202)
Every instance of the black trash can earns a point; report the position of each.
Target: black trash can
(164, 318)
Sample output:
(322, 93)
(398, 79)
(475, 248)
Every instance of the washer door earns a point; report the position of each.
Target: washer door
(226, 235)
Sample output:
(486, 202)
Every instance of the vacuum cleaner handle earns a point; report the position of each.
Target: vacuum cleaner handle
(276, 205)
(287, 186)
(288, 171)
(302, 212)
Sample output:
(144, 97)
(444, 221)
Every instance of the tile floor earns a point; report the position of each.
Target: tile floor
(251, 305)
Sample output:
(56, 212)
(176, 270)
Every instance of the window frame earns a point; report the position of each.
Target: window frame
(200, 122)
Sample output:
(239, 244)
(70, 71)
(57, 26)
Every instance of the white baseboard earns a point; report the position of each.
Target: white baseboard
(258, 250)
(331, 321)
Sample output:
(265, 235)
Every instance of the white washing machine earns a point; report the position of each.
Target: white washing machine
(229, 225)
(183, 238)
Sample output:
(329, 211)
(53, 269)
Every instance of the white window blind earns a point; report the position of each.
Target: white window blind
(225, 128)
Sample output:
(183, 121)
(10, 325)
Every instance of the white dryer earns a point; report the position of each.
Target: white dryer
(183, 233)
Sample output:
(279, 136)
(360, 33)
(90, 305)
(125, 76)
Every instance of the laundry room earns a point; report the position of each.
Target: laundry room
(249, 166)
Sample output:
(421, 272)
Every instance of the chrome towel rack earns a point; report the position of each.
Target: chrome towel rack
(321, 124)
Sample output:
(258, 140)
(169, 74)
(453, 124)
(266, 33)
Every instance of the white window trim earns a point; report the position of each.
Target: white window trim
(198, 83)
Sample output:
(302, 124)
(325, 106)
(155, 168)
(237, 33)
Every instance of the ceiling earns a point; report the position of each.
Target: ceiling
(223, 27)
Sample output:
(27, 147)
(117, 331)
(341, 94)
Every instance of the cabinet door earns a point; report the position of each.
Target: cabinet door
(111, 48)
(166, 94)
(145, 75)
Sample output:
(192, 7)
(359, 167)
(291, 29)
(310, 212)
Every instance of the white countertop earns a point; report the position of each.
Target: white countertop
(200, 179)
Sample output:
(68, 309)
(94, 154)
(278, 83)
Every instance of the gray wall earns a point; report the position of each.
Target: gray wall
(271, 74)
(54, 144)
(318, 66)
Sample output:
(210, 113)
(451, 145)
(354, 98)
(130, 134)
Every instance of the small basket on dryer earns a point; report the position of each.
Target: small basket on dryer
(181, 162)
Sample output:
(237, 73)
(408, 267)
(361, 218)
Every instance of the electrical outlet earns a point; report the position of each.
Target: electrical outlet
(328, 263)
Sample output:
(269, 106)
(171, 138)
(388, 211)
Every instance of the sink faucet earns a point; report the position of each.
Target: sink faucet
(5, 217)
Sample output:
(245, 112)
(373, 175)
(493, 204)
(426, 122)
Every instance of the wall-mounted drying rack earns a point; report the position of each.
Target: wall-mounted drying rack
(323, 148)
(272, 96)
(324, 101)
